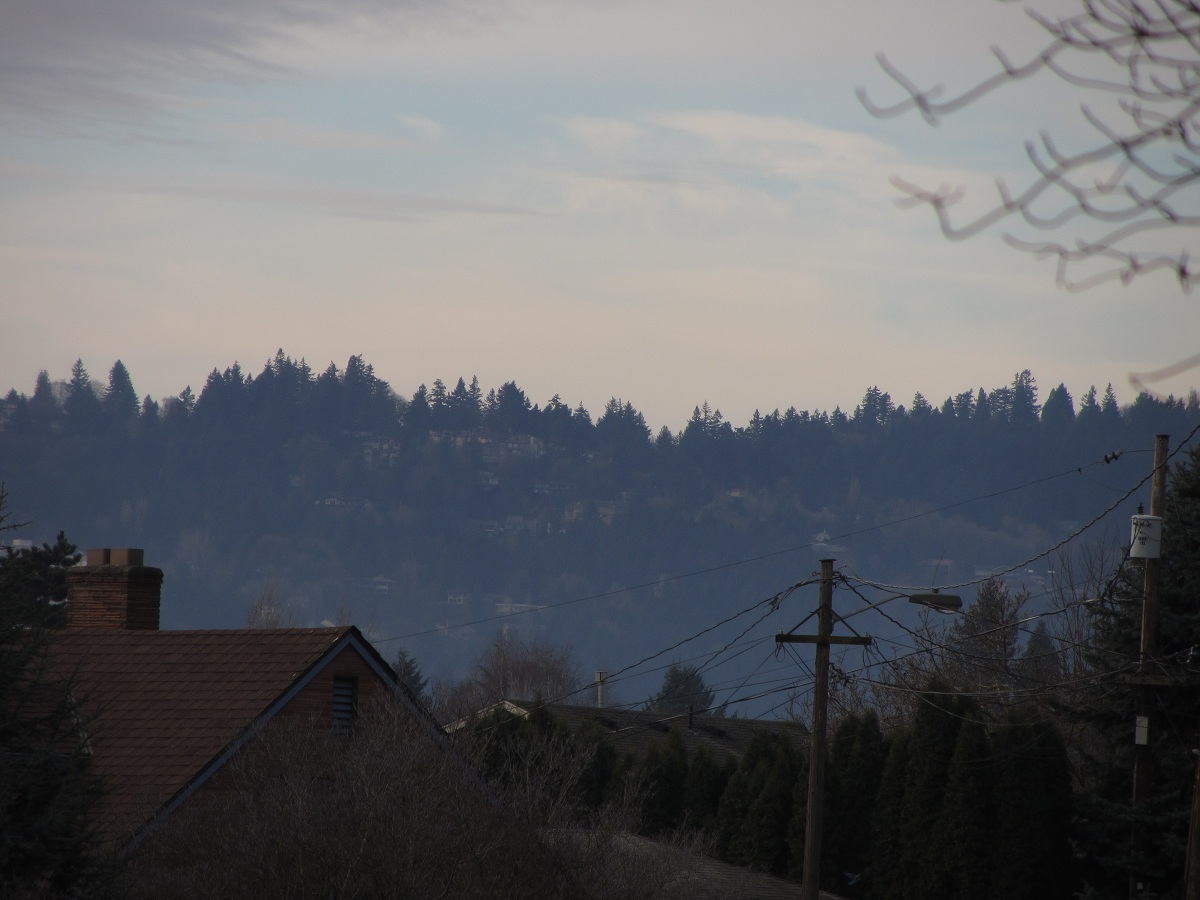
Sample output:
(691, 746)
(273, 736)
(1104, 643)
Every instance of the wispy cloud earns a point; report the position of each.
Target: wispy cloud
(300, 134)
(422, 127)
(60, 55)
(606, 137)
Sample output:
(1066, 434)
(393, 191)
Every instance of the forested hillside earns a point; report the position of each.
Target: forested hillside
(409, 513)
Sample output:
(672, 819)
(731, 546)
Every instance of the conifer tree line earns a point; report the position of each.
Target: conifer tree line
(288, 395)
(342, 494)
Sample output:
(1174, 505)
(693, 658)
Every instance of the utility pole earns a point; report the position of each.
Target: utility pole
(1191, 878)
(815, 813)
(1148, 649)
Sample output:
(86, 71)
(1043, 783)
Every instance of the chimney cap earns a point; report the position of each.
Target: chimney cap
(116, 556)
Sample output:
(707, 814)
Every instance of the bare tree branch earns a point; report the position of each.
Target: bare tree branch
(1140, 177)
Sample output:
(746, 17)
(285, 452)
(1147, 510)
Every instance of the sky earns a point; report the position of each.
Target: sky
(666, 201)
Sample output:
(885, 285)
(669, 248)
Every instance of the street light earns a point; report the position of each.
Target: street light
(943, 603)
(933, 599)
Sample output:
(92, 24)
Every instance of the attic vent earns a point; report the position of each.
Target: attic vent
(345, 702)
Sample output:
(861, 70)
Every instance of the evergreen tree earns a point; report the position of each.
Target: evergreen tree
(368, 405)
(81, 405)
(921, 409)
(34, 579)
(1023, 402)
(1041, 666)
(44, 411)
(1032, 811)
(858, 754)
(983, 408)
(601, 771)
(841, 821)
(890, 832)
(983, 642)
(767, 819)
(935, 730)
(964, 832)
(706, 782)
(224, 402)
(48, 845)
(875, 408)
(1110, 410)
(964, 405)
(1089, 408)
(622, 431)
(465, 412)
(664, 771)
(149, 410)
(1058, 414)
(741, 839)
(120, 399)
(511, 411)
(439, 399)
(683, 689)
(409, 673)
(419, 417)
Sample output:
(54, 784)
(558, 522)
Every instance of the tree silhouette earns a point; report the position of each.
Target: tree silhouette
(683, 688)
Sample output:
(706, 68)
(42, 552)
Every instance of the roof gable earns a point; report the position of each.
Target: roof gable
(170, 707)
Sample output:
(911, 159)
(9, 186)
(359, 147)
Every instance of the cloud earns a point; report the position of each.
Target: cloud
(737, 169)
(422, 127)
(298, 134)
(334, 200)
(139, 56)
(607, 137)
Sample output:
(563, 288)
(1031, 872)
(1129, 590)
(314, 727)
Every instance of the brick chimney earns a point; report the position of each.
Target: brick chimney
(114, 590)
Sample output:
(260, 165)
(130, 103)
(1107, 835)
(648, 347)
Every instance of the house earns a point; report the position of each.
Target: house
(173, 707)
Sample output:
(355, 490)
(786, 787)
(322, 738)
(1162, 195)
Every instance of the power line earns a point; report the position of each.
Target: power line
(1078, 470)
(907, 588)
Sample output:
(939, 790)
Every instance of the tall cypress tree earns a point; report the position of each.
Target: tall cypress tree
(702, 790)
(1031, 850)
(664, 773)
(737, 839)
(934, 736)
(859, 771)
(965, 830)
(766, 826)
(890, 835)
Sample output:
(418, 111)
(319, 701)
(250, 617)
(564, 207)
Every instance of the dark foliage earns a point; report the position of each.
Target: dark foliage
(48, 846)
(1150, 838)
(683, 689)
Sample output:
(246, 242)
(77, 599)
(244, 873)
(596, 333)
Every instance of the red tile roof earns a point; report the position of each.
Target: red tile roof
(170, 703)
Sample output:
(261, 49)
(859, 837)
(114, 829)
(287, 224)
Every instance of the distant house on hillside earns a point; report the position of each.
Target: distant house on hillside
(631, 731)
(175, 706)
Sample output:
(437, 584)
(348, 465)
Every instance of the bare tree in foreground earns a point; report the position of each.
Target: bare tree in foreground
(1130, 196)
(391, 812)
(270, 609)
(512, 668)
